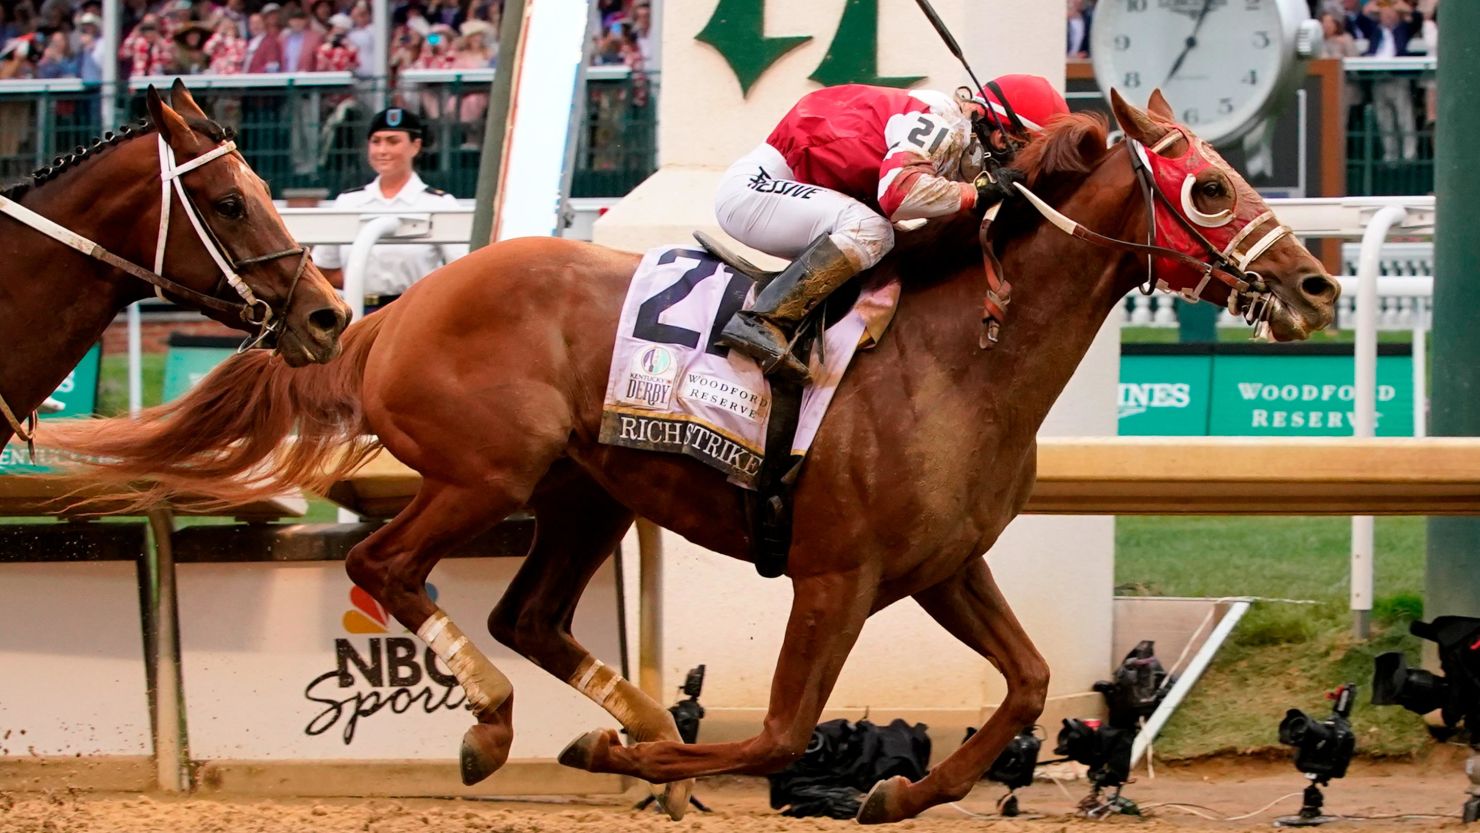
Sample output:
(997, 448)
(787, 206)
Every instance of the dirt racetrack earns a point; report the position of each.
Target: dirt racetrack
(1224, 788)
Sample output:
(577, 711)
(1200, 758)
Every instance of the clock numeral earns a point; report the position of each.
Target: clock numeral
(1251, 79)
(1262, 40)
(1135, 5)
(1191, 116)
(1225, 106)
(1132, 80)
(1122, 43)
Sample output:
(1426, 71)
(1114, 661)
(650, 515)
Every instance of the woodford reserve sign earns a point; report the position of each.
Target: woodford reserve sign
(1256, 390)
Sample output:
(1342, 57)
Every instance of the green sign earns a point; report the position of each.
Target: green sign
(185, 366)
(78, 394)
(1306, 396)
(1257, 391)
(1165, 395)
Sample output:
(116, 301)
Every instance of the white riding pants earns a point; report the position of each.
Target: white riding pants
(761, 204)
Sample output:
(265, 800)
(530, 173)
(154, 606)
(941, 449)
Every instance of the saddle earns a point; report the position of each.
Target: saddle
(769, 508)
(734, 261)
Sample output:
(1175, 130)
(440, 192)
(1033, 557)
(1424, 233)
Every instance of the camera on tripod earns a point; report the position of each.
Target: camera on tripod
(1455, 694)
(1136, 688)
(1323, 750)
(1013, 768)
(687, 712)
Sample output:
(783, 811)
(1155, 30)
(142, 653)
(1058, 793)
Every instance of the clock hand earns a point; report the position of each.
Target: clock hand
(1191, 40)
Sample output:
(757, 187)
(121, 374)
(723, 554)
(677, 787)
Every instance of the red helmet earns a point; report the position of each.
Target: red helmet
(1030, 97)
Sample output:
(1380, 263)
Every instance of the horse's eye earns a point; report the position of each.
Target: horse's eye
(1212, 189)
(231, 207)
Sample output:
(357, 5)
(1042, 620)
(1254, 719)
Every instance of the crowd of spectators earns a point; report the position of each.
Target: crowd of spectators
(63, 38)
(1386, 29)
(625, 35)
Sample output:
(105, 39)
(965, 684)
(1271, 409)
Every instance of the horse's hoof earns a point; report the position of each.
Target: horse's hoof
(485, 748)
(675, 798)
(882, 805)
(586, 750)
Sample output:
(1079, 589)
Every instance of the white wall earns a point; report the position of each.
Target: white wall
(1058, 572)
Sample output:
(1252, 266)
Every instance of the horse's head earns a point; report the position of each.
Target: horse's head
(1206, 211)
(225, 239)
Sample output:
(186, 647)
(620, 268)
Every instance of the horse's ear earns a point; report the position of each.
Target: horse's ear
(166, 121)
(1157, 106)
(183, 101)
(1135, 122)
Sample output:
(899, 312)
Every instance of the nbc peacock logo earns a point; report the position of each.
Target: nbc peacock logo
(376, 673)
(366, 616)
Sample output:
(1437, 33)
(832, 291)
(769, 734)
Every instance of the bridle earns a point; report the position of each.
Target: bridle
(1248, 296)
(251, 309)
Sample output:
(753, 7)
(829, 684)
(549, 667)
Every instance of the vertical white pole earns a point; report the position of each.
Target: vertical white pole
(354, 288)
(1420, 376)
(171, 770)
(135, 361)
(112, 32)
(380, 25)
(1365, 424)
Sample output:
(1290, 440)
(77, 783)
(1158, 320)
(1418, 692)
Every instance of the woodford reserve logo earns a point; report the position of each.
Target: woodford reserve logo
(392, 674)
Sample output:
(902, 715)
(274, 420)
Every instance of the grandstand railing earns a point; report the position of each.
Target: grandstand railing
(1377, 160)
(326, 114)
(307, 130)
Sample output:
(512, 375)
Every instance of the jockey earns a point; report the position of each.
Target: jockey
(839, 170)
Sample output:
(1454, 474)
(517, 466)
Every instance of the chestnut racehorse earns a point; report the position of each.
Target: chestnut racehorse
(488, 379)
(58, 293)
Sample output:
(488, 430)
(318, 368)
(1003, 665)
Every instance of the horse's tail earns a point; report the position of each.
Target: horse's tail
(230, 439)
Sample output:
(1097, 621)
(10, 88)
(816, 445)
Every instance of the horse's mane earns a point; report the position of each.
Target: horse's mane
(1056, 159)
(84, 153)
(1071, 144)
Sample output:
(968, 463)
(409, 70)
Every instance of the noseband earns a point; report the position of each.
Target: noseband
(251, 309)
(1187, 273)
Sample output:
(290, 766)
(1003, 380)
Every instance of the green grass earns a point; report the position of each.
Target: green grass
(1281, 655)
(113, 382)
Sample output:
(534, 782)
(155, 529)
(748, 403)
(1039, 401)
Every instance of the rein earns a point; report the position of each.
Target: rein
(251, 309)
(1248, 293)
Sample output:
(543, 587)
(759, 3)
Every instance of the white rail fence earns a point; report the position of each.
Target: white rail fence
(1405, 293)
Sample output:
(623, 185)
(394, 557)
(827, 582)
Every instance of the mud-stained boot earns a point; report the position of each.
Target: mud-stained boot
(764, 331)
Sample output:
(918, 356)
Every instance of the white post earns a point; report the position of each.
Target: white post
(380, 25)
(112, 26)
(1187, 679)
(359, 260)
(135, 361)
(1420, 368)
(1365, 423)
(354, 285)
(170, 757)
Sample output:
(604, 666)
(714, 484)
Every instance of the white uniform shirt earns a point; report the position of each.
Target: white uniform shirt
(393, 268)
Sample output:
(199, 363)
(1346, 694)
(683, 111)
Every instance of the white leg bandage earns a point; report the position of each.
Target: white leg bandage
(487, 687)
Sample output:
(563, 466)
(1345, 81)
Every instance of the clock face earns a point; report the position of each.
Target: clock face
(1219, 62)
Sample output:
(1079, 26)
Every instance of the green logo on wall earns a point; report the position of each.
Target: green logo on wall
(737, 30)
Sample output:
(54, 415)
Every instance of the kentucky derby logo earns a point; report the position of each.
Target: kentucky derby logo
(378, 674)
(655, 360)
(650, 379)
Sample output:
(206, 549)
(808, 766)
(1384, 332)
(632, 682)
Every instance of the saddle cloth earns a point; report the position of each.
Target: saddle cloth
(672, 389)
